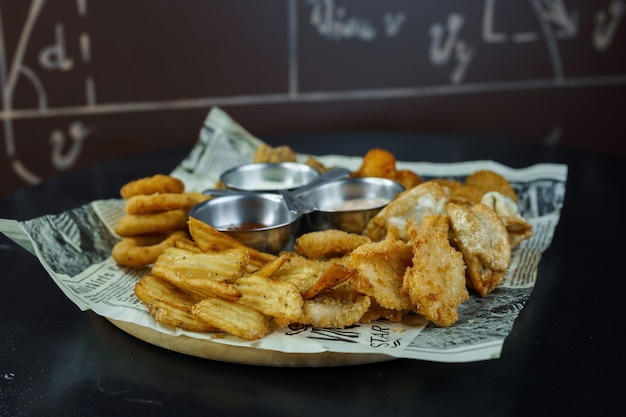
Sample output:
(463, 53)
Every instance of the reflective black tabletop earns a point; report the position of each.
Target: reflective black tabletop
(565, 353)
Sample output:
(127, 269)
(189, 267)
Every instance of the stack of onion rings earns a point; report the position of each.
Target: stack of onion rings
(156, 218)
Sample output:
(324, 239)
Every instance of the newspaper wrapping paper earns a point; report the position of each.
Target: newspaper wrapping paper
(75, 247)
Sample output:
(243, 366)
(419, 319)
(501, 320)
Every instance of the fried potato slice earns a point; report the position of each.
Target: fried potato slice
(271, 297)
(179, 316)
(169, 304)
(210, 240)
(328, 243)
(335, 308)
(233, 318)
(436, 281)
(481, 236)
(508, 211)
(427, 198)
(187, 244)
(487, 180)
(200, 287)
(271, 267)
(223, 266)
(381, 267)
(151, 287)
(300, 271)
(334, 275)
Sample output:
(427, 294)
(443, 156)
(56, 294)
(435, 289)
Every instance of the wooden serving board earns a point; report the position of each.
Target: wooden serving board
(245, 355)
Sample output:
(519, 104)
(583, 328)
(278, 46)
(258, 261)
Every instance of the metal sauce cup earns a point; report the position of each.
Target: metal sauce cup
(259, 220)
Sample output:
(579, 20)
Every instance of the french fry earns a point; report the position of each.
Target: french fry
(179, 316)
(271, 297)
(224, 266)
(234, 318)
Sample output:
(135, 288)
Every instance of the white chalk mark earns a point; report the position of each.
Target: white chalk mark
(489, 35)
(551, 44)
(85, 47)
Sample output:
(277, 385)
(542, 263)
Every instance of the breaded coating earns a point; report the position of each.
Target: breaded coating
(381, 267)
(481, 236)
(427, 198)
(487, 180)
(436, 281)
(265, 153)
(518, 228)
(328, 243)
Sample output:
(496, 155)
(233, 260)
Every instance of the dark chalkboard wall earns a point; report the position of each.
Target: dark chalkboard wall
(86, 81)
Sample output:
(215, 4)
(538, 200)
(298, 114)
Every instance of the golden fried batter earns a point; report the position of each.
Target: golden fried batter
(382, 163)
(266, 153)
(427, 198)
(517, 228)
(487, 180)
(329, 243)
(436, 281)
(381, 267)
(481, 236)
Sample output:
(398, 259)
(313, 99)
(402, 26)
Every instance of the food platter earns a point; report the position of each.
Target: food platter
(245, 355)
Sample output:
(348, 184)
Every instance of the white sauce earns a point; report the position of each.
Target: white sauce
(266, 185)
(359, 204)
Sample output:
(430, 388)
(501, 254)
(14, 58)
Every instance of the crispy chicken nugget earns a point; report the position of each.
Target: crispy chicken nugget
(481, 236)
(382, 163)
(381, 267)
(436, 281)
(328, 243)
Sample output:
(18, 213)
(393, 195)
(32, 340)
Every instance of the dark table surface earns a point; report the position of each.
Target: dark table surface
(565, 354)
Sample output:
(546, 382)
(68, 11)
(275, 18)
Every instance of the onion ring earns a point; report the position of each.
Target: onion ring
(146, 224)
(144, 250)
(158, 183)
(155, 203)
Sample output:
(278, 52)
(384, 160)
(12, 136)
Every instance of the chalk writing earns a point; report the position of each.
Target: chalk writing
(456, 40)
(446, 45)
(607, 24)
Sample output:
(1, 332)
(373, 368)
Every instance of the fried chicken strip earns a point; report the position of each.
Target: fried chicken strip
(436, 281)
